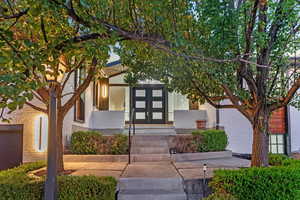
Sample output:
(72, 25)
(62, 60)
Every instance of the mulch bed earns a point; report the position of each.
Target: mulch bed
(44, 172)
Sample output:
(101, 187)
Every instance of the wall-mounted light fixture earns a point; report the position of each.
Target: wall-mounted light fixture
(41, 133)
(104, 90)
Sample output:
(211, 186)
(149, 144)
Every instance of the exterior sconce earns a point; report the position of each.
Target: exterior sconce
(104, 91)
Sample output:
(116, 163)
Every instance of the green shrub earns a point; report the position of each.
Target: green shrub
(219, 196)
(16, 184)
(93, 142)
(84, 142)
(277, 159)
(86, 188)
(119, 144)
(185, 143)
(282, 160)
(212, 140)
(272, 183)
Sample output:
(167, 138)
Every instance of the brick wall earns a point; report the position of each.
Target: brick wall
(277, 121)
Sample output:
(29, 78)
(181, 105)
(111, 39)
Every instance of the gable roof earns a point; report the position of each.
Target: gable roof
(113, 69)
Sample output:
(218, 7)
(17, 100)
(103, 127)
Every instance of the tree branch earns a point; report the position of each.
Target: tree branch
(37, 108)
(291, 93)
(235, 102)
(81, 38)
(152, 39)
(43, 30)
(70, 73)
(15, 16)
(68, 105)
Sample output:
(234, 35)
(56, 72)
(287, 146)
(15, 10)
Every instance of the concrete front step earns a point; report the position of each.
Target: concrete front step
(150, 150)
(151, 157)
(151, 195)
(150, 145)
(166, 184)
(153, 131)
(150, 137)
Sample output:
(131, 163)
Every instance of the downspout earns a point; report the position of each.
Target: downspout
(288, 128)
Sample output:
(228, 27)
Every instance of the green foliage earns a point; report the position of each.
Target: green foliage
(218, 196)
(212, 140)
(93, 142)
(272, 183)
(19, 173)
(282, 160)
(82, 142)
(16, 184)
(185, 143)
(119, 144)
(33, 45)
(86, 188)
(277, 159)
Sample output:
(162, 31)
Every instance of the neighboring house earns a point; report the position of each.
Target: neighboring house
(105, 106)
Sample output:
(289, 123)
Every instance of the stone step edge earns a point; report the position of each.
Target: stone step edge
(155, 192)
(124, 158)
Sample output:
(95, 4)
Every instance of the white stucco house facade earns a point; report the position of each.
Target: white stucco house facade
(106, 106)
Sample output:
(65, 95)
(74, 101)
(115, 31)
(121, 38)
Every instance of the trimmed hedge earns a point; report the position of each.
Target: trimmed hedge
(218, 196)
(277, 159)
(16, 184)
(185, 143)
(93, 142)
(211, 140)
(271, 183)
(282, 160)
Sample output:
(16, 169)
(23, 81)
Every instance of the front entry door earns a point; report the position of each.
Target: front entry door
(149, 102)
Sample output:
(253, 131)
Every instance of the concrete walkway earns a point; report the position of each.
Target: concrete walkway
(186, 170)
(165, 180)
(115, 169)
(151, 181)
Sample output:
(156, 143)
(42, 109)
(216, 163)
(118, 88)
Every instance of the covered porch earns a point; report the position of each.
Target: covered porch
(153, 108)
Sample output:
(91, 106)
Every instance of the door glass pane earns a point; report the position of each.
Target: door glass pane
(157, 93)
(156, 115)
(140, 115)
(157, 104)
(140, 93)
(140, 104)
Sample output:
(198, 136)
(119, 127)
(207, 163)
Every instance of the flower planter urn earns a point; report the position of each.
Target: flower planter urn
(201, 124)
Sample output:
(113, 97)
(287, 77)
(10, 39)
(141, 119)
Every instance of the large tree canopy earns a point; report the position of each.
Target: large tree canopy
(210, 49)
(242, 51)
(43, 41)
(219, 45)
(15, 85)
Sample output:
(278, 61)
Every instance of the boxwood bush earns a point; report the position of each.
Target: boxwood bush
(211, 140)
(93, 142)
(185, 143)
(269, 183)
(282, 160)
(16, 184)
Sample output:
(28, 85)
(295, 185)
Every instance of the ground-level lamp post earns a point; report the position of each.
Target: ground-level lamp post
(51, 180)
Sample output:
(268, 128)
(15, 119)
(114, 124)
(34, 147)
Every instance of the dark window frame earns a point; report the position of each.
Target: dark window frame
(79, 73)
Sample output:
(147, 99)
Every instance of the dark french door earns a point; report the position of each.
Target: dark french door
(149, 102)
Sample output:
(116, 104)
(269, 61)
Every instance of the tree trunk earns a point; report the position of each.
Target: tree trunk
(60, 146)
(260, 145)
